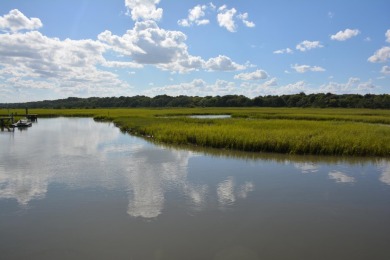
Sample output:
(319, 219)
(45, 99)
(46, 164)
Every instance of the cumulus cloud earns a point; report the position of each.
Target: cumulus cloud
(225, 18)
(223, 63)
(381, 55)
(199, 87)
(35, 55)
(283, 51)
(292, 88)
(271, 83)
(271, 87)
(16, 21)
(353, 85)
(345, 35)
(308, 45)
(144, 10)
(147, 43)
(306, 68)
(387, 34)
(31, 60)
(253, 89)
(195, 16)
(386, 70)
(256, 75)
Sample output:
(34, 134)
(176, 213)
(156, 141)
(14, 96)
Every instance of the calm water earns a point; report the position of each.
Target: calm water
(211, 116)
(78, 189)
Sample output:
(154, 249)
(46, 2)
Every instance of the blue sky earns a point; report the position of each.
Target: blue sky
(56, 49)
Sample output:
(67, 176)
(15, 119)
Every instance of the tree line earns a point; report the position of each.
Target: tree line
(319, 100)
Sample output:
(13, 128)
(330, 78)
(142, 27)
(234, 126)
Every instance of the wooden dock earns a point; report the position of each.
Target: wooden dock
(4, 121)
(7, 121)
(32, 117)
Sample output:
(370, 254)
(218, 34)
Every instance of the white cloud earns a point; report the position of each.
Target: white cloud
(353, 85)
(35, 55)
(225, 18)
(244, 18)
(387, 34)
(121, 64)
(197, 87)
(386, 70)
(30, 60)
(144, 10)
(223, 63)
(367, 39)
(271, 87)
(196, 13)
(352, 81)
(256, 75)
(271, 83)
(195, 17)
(146, 43)
(283, 51)
(345, 35)
(202, 22)
(16, 21)
(381, 55)
(292, 88)
(306, 68)
(308, 45)
(184, 23)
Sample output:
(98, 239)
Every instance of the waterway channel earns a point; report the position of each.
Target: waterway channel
(73, 188)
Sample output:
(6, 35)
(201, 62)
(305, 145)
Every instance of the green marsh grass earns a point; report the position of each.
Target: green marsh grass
(346, 132)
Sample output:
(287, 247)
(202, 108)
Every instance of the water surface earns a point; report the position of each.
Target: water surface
(72, 188)
(210, 116)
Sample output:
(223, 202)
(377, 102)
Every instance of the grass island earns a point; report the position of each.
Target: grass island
(314, 131)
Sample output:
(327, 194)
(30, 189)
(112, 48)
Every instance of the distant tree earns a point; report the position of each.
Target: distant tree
(294, 100)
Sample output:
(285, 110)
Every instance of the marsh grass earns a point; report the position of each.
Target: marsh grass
(350, 132)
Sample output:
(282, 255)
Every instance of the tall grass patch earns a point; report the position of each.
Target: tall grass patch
(350, 132)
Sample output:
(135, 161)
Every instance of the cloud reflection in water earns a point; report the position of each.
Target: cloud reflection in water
(341, 177)
(385, 169)
(80, 153)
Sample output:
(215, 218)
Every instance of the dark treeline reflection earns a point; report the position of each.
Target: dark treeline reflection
(320, 100)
